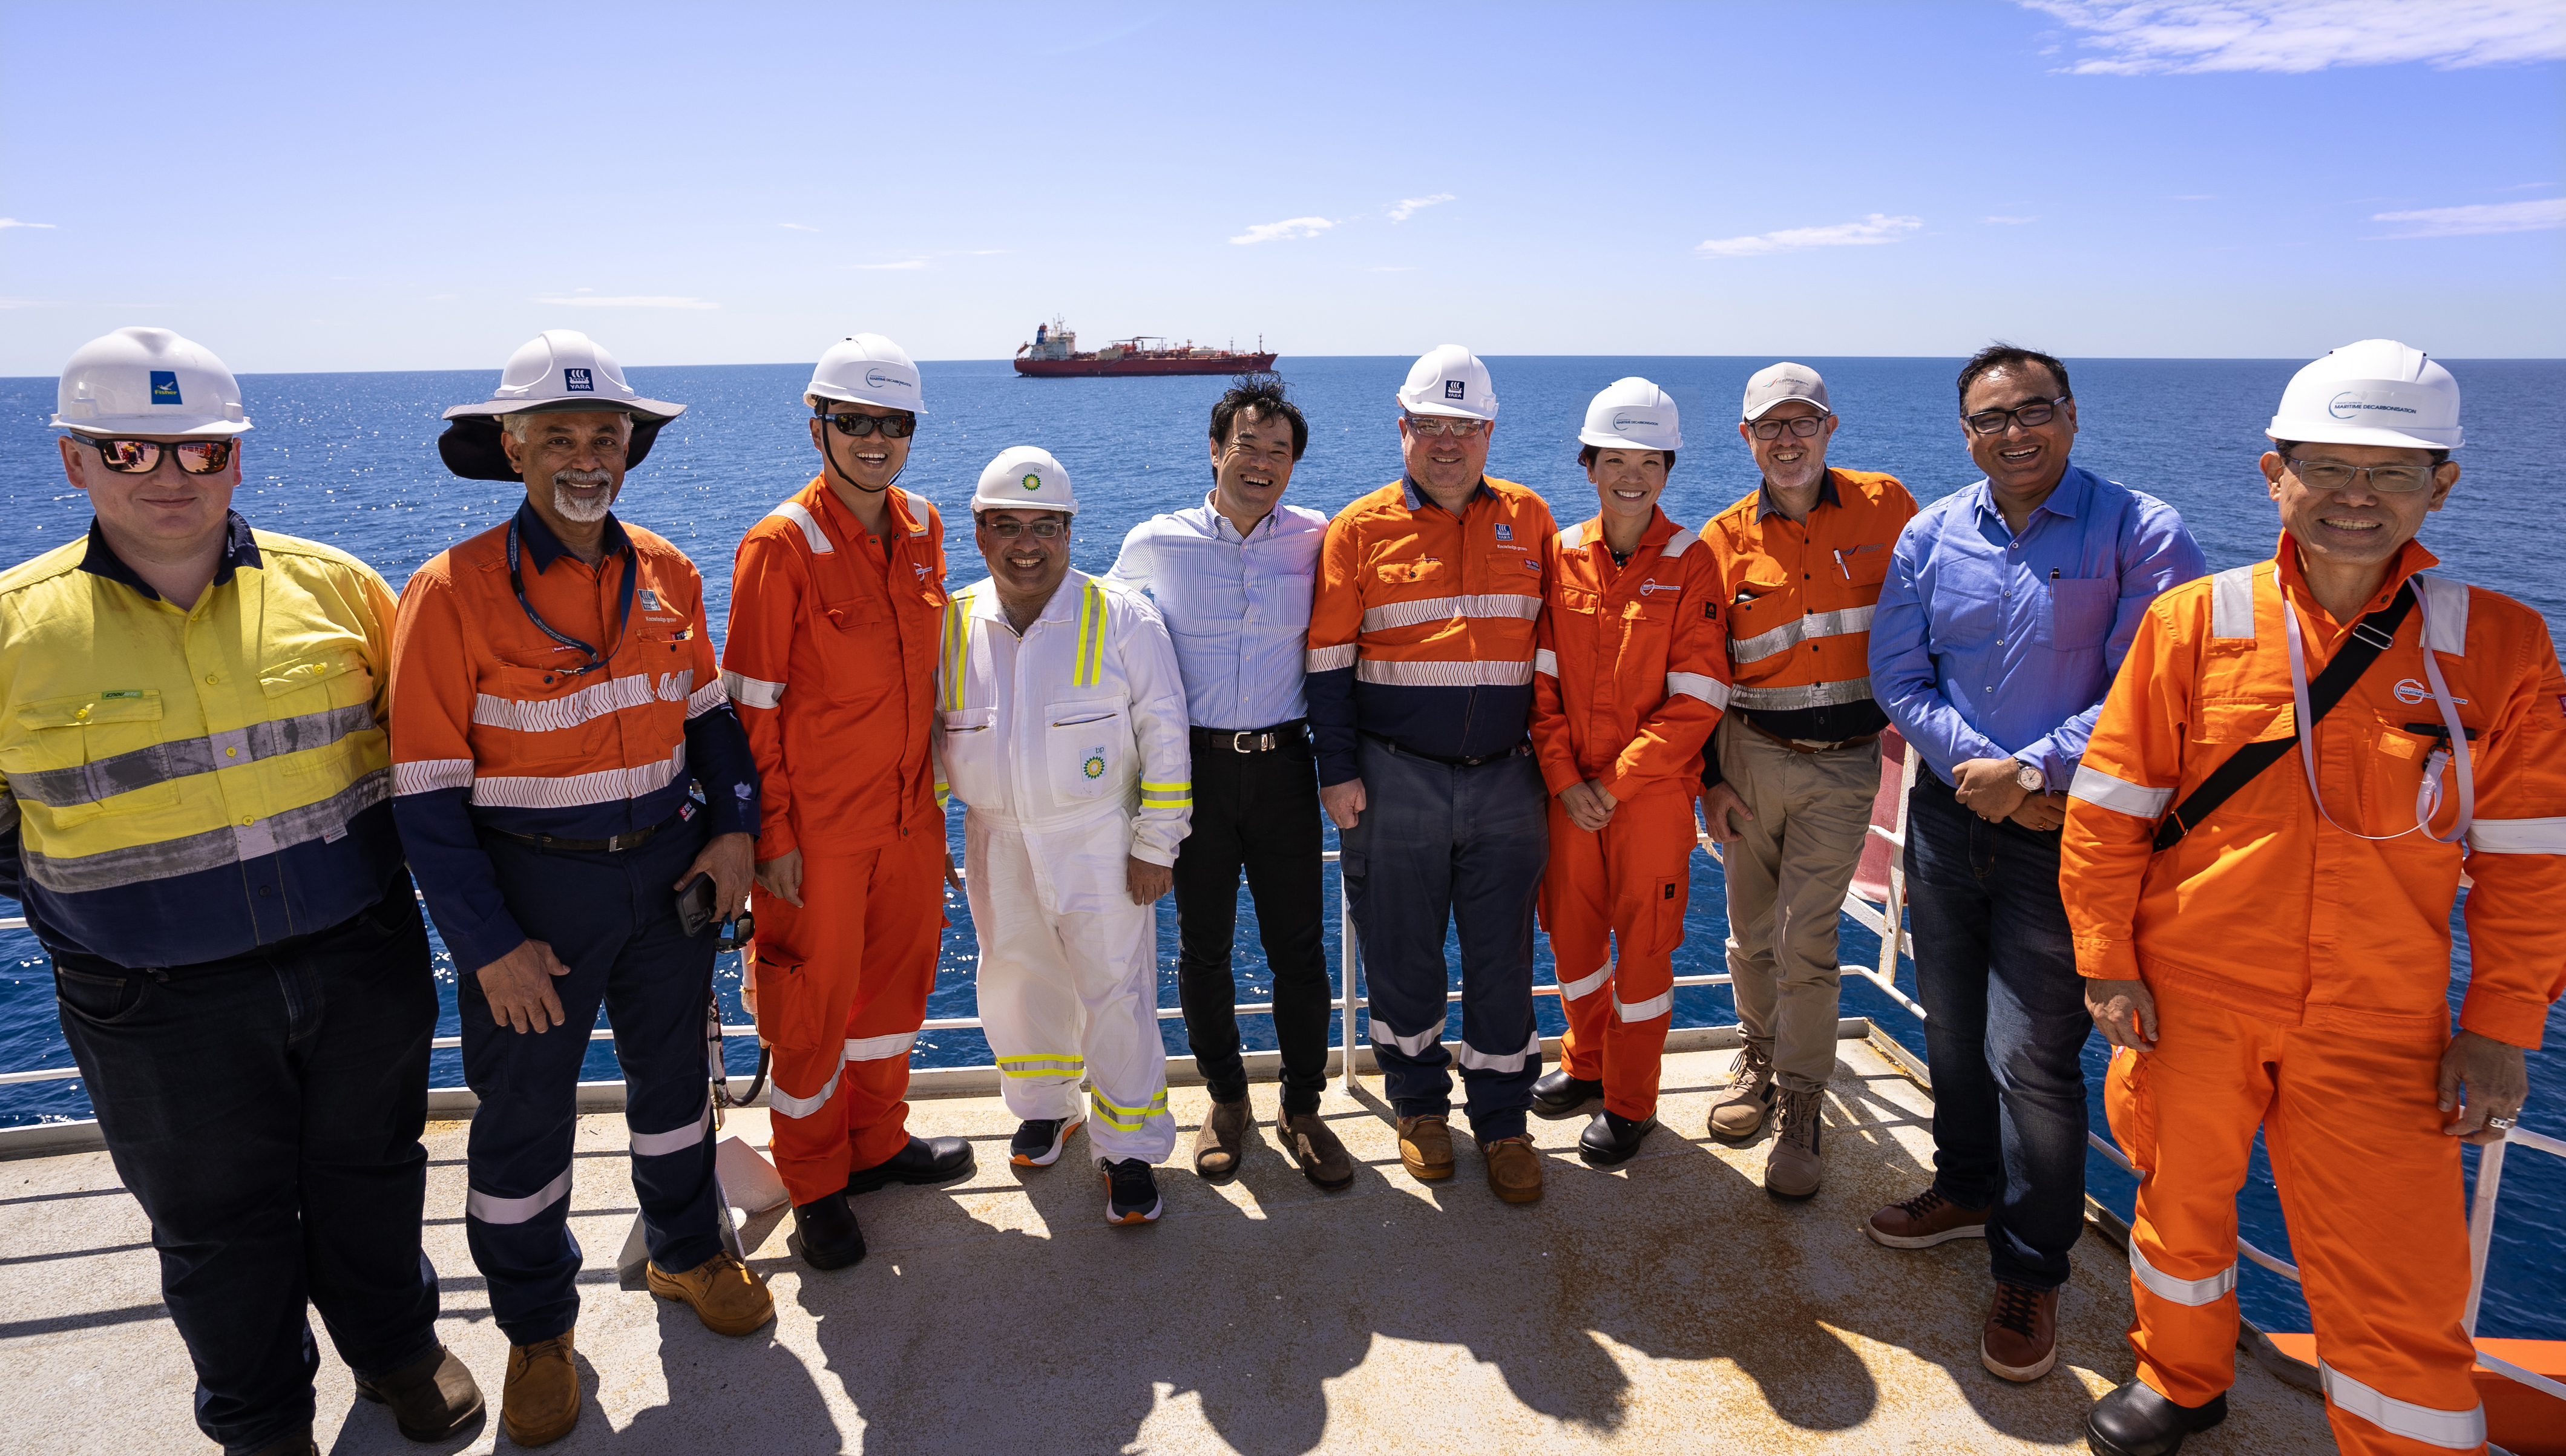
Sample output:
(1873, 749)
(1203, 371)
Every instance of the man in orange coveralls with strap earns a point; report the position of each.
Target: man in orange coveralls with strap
(2263, 920)
(1628, 683)
(836, 601)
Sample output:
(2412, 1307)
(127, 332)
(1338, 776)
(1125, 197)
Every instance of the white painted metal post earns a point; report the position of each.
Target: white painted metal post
(1349, 956)
(2482, 1228)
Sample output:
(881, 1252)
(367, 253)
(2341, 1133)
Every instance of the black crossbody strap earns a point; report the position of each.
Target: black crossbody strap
(2370, 636)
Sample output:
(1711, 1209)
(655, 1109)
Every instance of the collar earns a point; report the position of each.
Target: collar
(1827, 496)
(2067, 499)
(544, 548)
(841, 523)
(1419, 500)
(2413, 557)
(1209, 520)
(1063, 606)
(1661, 529)
(240, 549)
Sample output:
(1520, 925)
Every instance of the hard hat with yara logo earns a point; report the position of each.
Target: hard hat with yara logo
(865, 369)
(1024, 478)
(1631, 414)
(2375, 392)
(558, 370)
(1449, 380)
(148, 382)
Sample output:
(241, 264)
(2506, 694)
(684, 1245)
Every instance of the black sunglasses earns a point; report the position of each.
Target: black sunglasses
(856, 426)
(141, 457)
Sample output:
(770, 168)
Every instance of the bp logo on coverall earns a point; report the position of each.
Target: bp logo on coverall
(1093, 766)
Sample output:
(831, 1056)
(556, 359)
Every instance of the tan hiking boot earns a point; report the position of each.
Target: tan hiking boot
(1222, 1140)
(727, 1295)
(1426, 1148)
(1514, 1169)
(1314, 1148)
(1737, 1115)
(541, 1400)
(1792, 1169)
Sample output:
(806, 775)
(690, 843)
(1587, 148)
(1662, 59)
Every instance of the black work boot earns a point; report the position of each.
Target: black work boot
(1557, 1095)
(1612, 1139)
(432, 1397)
(830, 1238)
(2135, 1421)
(925, 1161)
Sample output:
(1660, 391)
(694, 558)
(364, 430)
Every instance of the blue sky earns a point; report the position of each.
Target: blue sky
(423, 187)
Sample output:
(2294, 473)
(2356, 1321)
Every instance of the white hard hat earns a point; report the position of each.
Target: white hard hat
(1449, 380)
(563, 368)
(866, 369)
(2375, 392)
(1631, 414)
(1024, 478)
(148, 382)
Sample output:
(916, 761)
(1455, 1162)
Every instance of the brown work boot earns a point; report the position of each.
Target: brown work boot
(432, 1397)
(1425, 1146)
(1223, 1134)
(1738, 1114)
(1924, 1220)
(1793, 1170)
(727, 1295)
(1514, 1169)
(2021, 1341)
(540, 1402)
(1322, 1159)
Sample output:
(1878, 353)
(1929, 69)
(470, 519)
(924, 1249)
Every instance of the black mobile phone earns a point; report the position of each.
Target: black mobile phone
(695, 909)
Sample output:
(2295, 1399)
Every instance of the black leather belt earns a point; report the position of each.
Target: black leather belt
(1251, 740)
(610, 844)
(1449, 763)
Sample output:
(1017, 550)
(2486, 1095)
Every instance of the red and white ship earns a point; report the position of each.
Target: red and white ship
(1053, 355)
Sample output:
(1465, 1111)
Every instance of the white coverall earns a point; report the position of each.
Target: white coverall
(1069, 747)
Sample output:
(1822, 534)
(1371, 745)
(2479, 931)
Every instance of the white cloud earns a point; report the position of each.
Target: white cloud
(1408, 207)
(629, 301)
(1875, 228)
(2483, 217)
(2162, 36)
(22, 303)
(7, 222)
(2525, 186)
(2009, 221)
(799, 227)
(903, 265)
(1290, 227)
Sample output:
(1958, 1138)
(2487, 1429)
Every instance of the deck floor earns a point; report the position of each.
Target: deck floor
(1669, 1305)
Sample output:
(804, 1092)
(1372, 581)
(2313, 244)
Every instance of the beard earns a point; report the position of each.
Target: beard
(571, 505)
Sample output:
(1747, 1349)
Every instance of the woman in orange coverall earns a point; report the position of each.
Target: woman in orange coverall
(1630, 677)
(2281, 958)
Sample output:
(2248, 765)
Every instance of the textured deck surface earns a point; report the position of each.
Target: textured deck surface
(1669, 1306)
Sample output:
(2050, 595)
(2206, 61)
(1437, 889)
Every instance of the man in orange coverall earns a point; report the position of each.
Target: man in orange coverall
(2263, 919)
(1629, 679)
(836, 602)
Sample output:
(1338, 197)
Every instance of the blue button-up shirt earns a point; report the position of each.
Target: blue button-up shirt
(1239, 610)
(1988, 645)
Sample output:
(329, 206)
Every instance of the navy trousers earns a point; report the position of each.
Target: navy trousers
(265, 1111)
(613, 920)
(1439, 847)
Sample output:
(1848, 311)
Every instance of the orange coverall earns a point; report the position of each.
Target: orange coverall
(831, 661)
(2301, 973)
(1630, 677)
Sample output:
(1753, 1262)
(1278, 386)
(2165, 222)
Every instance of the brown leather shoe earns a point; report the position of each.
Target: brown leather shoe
(1514, 1169)
(2021, 1341)
(727, 1295)
(1738, 1113)
(1320, 1157)
(1793, 1170)
(540, 1402)
(432, 1397)
(1218, 1146)
(1426, 1148)
(1924, 1220)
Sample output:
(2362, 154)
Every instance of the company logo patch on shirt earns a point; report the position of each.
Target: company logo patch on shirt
(650, 599)
(1647, 586)
(121, 693)
(1094, 767)
(2410, 692)
(578, 381)
(1528, 563)
(164, 388)
(1505, 532)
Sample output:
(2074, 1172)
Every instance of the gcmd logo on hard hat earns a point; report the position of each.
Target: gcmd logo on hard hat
(880, 380)
(1032, 480)
(2349, 404)
(1622, 423)
(578, 381)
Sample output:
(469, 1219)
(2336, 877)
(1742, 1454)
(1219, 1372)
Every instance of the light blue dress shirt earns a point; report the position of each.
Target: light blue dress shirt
(1239, 610)
(1988, 645)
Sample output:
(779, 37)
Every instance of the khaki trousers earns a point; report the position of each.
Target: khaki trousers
(1786, 886)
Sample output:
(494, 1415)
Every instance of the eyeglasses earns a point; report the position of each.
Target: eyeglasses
(1444, 425)
(1042, 529)
(2335, 475)
(141, 457)
(2030, 417)
(856, 426)
(1804, 426)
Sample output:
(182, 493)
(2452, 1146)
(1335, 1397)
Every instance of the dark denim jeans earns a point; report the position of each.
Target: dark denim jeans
(265, 1111)
(2005, 1025)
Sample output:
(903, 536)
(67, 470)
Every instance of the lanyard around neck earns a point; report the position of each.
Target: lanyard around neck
(2429, 798)
(596, 659)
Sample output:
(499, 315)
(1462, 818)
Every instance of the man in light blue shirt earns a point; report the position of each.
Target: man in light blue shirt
(1233, 578)
(2007, 610)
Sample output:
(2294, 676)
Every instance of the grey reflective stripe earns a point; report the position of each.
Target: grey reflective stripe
(1806, 695)
(550, 715)
(793, 1107)
(1328, 660)
(2232, 603)
(490, 1208)
(799, 515)
(878, 1049)
(1699, 685)
(1545, 660)
(2118, 795)
(429, 775)
(2517, 837)
(1487, 605)
(568, 791)
(213, 849)
(1649, 1010)
(1791, 633)
(1479, 1061)
(707, 698)
(1585, 986)
(1413, 1046)
(1677, 543)
(2445, 613)
(187, 757)
(1444, 674)
(752, 693)
(675, 1140)
(2455, 1430)
(2189, 1291)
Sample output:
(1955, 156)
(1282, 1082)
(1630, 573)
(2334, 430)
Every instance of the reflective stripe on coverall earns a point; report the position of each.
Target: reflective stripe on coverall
(2301, 972)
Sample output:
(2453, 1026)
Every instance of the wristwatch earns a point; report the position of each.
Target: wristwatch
(2030, 780)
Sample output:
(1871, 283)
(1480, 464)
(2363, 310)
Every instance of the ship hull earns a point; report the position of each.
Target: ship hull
(1061, 369)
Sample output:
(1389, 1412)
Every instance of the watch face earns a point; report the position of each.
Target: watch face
(2029, 778)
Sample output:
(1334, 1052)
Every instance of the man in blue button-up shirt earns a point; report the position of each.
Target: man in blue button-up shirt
(1232, 576)
(2008, 607)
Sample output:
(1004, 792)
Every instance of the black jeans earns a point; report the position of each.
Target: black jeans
(1257, 811)
(265, 1111)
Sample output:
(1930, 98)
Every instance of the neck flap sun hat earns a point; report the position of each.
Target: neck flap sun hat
(148, 382)
(558, 370)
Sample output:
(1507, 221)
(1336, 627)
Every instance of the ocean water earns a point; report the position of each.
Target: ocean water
(350, 459)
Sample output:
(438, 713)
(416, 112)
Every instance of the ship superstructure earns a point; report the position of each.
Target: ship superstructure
(1054, 354)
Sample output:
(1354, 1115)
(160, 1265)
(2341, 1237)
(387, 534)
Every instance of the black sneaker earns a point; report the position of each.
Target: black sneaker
(1135, 1192)
(1037, 1143)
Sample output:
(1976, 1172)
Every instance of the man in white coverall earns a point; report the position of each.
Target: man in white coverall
(1061, 723)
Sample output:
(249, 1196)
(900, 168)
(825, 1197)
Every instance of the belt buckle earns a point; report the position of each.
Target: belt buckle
(1237, 741)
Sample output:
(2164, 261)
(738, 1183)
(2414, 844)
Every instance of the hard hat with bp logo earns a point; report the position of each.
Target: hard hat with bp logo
(1449, 380)
(865, 369)
(558, 370)
(2375, 392)
(1631, 414)
(148, 382)
(1024, 478)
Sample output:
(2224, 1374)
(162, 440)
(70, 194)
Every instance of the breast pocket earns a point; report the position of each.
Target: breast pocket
(547, 720)
(1089, 749)
(859, 650)
(1290, 600)
(1426, 571)
(1761, 609)
(1863, 566)
(2076, 615)
(319, 702)
(2223, 727)
(92, 755)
